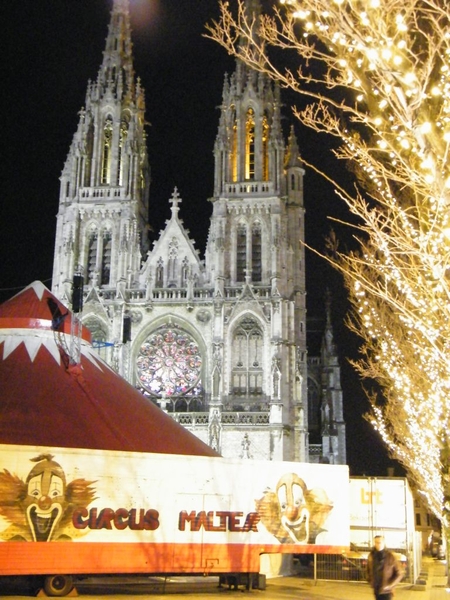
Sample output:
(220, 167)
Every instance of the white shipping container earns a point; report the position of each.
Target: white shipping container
(383, 506)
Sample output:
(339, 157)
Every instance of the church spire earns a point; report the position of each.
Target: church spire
(253, 13)
(292, 154)
(102, 219)
(116, 72)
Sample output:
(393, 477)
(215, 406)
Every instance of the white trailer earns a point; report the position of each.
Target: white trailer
(67, 513)
(384, 505)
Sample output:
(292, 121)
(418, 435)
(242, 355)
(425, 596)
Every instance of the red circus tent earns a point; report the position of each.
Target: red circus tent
(46, 400)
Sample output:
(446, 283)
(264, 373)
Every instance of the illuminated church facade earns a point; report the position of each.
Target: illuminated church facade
(220, 342)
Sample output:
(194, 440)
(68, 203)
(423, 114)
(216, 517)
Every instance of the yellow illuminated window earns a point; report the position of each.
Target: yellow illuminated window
(234, 148)
(265, 148)
(122, 140)
(250, 145)
(107, 152)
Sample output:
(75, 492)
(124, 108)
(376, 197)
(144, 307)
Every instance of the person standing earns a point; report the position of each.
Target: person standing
(383, 570)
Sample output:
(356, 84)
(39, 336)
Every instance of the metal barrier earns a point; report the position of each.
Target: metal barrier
(340, 567)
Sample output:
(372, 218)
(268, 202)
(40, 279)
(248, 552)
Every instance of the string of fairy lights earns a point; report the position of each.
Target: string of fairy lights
(394, 56)
(377, 77)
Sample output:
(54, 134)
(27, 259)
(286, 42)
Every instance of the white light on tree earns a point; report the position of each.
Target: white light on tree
(375, 75)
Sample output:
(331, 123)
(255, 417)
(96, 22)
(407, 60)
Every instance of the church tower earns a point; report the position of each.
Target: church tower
(103, 208)
(219, 343)
(255, 261)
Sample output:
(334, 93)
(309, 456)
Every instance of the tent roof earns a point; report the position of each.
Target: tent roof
(46, 400)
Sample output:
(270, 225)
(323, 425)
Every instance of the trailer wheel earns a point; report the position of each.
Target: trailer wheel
(58, 585)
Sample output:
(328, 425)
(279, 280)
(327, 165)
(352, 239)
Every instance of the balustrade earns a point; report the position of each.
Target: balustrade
(192, 419)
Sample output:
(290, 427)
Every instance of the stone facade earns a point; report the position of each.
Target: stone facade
(220, 342)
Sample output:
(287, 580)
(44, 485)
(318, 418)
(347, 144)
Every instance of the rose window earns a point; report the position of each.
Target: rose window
(169, 363)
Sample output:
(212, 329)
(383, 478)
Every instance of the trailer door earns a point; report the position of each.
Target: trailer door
(201, 532)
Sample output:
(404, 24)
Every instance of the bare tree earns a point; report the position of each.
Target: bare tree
(375, 76)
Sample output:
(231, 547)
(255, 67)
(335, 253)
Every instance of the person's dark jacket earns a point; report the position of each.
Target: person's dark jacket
(390, 573)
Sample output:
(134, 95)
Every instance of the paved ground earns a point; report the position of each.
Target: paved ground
(283, 588)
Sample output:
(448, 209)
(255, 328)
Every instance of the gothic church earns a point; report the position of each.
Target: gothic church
(220, 343)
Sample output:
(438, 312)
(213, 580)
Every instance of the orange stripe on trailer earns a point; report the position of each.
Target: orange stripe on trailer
(34, 558)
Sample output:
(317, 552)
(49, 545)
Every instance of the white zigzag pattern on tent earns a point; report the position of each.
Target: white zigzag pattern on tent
(33, 343)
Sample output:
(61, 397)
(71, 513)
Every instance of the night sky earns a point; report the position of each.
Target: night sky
(51, 48)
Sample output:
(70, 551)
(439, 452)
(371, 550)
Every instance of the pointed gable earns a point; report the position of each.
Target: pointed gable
(173, 261)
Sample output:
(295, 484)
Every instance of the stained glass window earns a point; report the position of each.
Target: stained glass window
(169, 363)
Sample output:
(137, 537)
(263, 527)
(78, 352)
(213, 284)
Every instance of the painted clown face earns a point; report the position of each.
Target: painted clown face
(293, 510)
(45, 500)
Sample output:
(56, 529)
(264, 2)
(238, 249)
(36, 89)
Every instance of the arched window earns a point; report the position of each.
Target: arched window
(314, 402)
(234, 148)
(89, 152)
(122, 140)
(99, 335)
(159, 275)
(184, 272)
(180, 406)
(106, 258)
(256, 253)
(250, 145)
(265, 148)
(91, 263)
(172, 264)
(107, 151)
(241, 253)
(247, 357)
